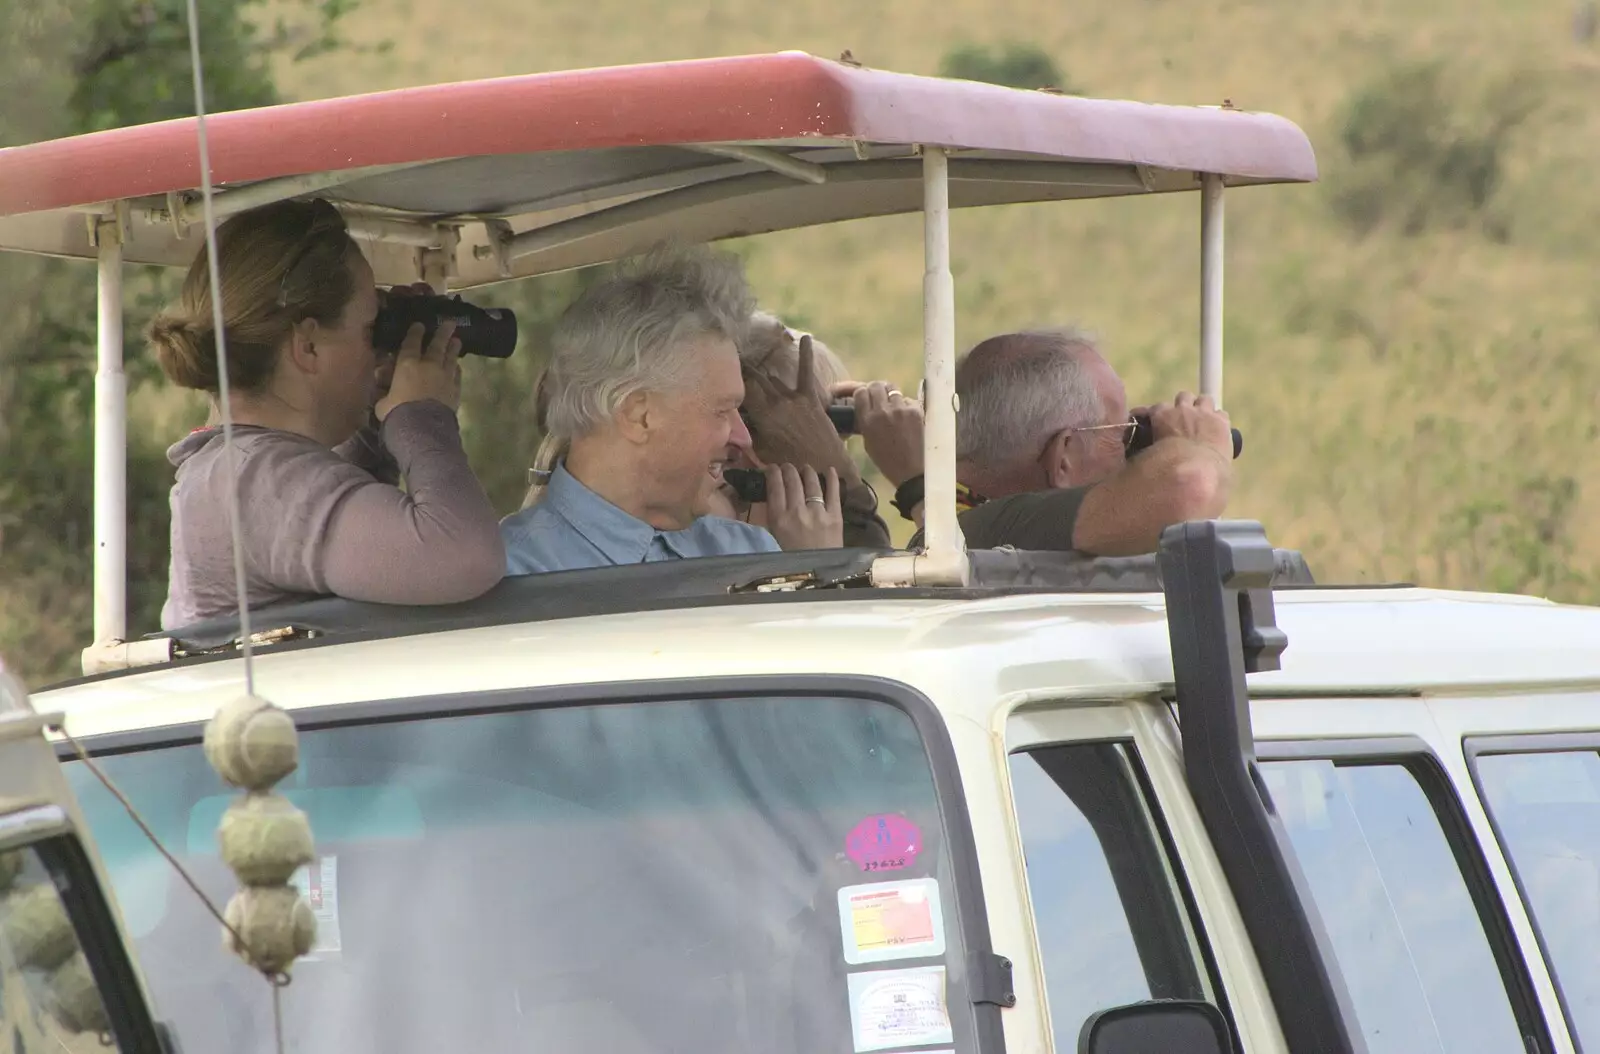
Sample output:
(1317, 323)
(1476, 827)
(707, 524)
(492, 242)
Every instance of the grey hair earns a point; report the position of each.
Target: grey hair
(768, 347)
(631, 332)
(772, 349)
(1019, 389)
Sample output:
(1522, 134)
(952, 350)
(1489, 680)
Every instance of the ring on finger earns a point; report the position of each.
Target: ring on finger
(816, 500)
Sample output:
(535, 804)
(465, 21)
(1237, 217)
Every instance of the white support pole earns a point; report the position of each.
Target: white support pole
(944, 560)
(110, 446)
(941, 531)
(1211, 225)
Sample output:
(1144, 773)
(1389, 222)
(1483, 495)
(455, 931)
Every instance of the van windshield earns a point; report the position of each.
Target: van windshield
(698, 875)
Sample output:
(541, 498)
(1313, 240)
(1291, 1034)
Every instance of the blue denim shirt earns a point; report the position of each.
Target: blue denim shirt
(573, 528)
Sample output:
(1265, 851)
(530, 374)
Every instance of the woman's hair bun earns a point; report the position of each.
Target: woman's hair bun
(186, 353)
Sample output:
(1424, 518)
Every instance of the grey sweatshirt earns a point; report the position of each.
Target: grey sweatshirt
(317, 521)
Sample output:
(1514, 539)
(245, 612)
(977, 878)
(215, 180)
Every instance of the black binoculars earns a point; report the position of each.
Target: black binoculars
(1143, 435)
(490, 332)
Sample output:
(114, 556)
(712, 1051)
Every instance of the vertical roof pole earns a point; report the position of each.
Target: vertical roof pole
(110, 443)
(944, 557)
(1211, 216)
(942, 531)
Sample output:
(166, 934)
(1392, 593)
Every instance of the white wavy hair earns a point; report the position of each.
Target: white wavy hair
(635, 332)
(768, 347)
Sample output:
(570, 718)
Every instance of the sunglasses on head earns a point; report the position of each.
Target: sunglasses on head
(324, 220)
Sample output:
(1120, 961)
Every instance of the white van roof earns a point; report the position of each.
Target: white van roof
(1370, 640)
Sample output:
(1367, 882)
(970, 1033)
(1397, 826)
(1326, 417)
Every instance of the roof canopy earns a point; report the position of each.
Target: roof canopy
(525, 175)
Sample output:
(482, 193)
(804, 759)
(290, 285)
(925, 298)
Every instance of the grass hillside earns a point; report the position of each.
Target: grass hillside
(1412, 343)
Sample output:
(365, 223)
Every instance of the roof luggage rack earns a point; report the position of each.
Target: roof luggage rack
(829, 573)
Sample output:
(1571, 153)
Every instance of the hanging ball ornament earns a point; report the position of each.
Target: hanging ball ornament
(264, 839)
(275, 925)
(251, 743)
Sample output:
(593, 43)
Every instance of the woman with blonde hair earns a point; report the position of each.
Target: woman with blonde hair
(316, 460)
(790, 378)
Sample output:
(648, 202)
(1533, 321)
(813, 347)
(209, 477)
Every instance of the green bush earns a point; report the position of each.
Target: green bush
(1420, 153)
(1012, 65)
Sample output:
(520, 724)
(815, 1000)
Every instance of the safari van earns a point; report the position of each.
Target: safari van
(943, 801)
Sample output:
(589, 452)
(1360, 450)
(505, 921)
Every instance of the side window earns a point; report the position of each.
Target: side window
(1422, 973)
(1109, 924)
(1546, 807)
(49, 999)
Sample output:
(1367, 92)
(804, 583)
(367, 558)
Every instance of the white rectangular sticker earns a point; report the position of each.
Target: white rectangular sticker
(881, 921)
(319, 884)
(899, 1008)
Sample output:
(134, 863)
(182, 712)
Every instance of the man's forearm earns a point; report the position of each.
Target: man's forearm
(1176, 480)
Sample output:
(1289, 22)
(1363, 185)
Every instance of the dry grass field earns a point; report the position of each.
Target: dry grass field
(1416, 406)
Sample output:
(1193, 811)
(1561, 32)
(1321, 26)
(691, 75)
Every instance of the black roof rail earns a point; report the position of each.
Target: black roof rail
(679, 584)
(1218, 577)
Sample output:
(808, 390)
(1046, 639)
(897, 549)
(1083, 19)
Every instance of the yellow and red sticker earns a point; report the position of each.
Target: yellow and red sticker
(882, 921)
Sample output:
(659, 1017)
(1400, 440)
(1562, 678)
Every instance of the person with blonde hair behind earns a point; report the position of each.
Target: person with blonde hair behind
(318, 454)
(790, 378)
(770, 356)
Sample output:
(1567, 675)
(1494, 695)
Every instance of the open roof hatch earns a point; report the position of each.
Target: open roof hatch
(466, 184)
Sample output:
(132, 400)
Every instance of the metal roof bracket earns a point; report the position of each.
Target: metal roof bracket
(227, 203)
(499, 233)
(766, 157)
(436, 263)
(180, 226)
(116, 225)
(944, 568)
(108, 655)
(614, 217)
(393, 230)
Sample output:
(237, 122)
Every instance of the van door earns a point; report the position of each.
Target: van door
(66, 982)
(1113, 897)
(1542, 793)
(1419, 931)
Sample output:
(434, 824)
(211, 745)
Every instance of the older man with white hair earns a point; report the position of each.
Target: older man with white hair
(1041, 440)
(643, 392)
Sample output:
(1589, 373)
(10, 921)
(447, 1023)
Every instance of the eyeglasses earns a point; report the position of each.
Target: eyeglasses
(1128, 427)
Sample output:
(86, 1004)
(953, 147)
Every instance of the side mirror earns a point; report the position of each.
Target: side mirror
(1176, 1026)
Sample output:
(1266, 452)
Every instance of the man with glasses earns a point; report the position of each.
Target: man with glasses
(1042, 434)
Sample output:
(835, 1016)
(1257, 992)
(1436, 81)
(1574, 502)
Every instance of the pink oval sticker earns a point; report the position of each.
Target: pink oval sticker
(887, 842)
